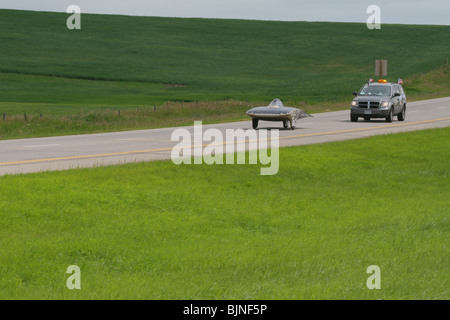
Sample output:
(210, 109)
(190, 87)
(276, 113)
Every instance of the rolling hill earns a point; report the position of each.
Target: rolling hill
(123, 61)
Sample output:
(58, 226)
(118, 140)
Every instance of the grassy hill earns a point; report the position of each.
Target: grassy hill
(123, 61)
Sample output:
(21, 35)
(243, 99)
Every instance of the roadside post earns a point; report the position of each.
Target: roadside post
(381, 68)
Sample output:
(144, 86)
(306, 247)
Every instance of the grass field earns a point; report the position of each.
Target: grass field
(160, 231)
(75, 79)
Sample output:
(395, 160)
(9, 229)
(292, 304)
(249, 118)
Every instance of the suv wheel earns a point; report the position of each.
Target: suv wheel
(401, 116)
(390, 117)
(353, 118)
(285, 124)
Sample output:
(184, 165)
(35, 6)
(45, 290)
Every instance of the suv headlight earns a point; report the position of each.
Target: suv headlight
(385, 104)
(354, 103)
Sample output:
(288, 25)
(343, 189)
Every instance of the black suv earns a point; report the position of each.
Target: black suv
(379, 100)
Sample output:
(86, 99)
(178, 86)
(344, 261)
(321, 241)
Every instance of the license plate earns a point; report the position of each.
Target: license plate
(367, 111)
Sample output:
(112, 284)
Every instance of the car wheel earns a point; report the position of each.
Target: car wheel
(390, 117)
(402, 115)
(255, 123)
(353, 118)
(285, 124)
(293, 123)
(366, 118)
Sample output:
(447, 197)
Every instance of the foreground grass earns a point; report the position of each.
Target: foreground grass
(160, 231)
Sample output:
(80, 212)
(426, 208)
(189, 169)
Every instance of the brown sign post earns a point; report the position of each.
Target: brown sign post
(381, 68)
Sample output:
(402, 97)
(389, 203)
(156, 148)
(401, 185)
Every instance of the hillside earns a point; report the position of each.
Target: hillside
(122, 61)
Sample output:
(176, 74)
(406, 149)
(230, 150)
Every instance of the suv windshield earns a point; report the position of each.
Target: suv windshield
(375, 91)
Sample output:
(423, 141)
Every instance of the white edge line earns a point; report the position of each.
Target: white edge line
(43, 145)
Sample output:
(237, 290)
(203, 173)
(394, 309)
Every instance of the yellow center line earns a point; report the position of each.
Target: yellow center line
(365, 129)
(210, 144)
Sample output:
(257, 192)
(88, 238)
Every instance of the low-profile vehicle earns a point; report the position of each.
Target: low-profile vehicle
(276, 111)
(380, 99)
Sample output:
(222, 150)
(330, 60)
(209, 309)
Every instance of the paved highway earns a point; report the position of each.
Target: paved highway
(89, 150)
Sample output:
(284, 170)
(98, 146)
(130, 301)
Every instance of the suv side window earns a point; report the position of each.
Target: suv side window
(395, 89)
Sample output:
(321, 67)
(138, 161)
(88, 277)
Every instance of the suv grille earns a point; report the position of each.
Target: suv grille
(370, 104)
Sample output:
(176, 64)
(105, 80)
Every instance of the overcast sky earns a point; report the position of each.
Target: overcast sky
(392, 11)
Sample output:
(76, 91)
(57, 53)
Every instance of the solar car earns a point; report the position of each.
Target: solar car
(276, 111)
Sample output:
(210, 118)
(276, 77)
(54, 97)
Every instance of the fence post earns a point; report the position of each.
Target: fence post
(4, 116)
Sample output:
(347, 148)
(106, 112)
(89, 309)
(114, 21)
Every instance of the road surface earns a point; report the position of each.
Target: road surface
(90, 150)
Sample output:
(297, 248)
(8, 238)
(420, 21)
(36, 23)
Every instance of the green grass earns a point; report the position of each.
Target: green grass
(122, 62)
(160, 231)
(93, 120)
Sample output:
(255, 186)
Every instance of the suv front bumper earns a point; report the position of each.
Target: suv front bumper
(369, 112)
